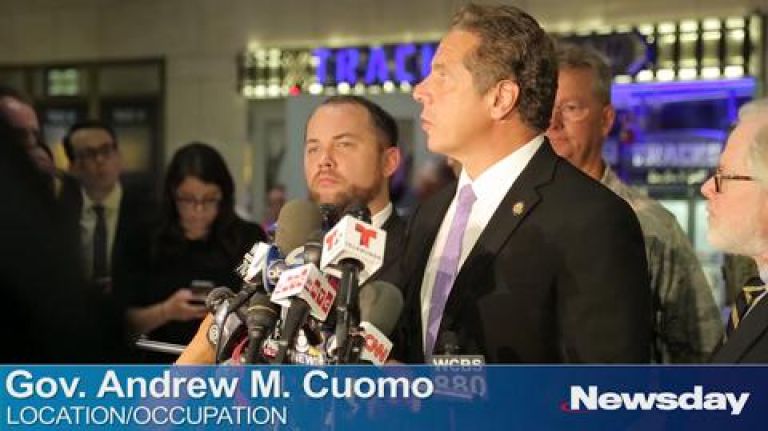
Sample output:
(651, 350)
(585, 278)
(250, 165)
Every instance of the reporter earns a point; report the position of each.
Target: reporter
(199, 239)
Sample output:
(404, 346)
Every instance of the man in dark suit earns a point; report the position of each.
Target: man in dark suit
(50, 315)
(108, 209)
(350, 154)
(526, 259)
(738, 223)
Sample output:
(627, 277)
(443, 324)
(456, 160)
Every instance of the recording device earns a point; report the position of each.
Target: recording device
(261, 316)
(329, 216)
(357, 248)
(200, 288)
(301, 291)
(380, 306)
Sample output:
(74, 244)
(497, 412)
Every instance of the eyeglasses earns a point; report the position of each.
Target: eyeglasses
(105, 151)
(571, 111)
(189, 203)
(720, 177)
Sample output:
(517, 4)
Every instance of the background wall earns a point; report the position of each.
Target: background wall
(200, 40)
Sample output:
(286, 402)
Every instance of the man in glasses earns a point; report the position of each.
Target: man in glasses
(108, 211)
(686, 320)
(737, 205)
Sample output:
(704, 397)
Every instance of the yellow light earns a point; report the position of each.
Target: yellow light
(689, 26)
(734, 71)
(711, 24)
(710, 72)
(665, 75)
(389, 87)
(344, 88)
(687, 74)
(315, 88)
(622, 79)
(644, 76)
(667, 27)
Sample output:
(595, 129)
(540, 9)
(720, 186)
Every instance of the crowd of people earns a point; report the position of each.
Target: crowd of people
(524, 246)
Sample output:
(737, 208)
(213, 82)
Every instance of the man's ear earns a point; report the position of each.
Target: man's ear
(607, 117)
(504, 97)
(391, 161)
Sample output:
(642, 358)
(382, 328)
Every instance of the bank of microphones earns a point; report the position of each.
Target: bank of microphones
(309, 298)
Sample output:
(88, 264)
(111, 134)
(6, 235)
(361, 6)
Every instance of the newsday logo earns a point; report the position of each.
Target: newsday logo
(592, 399)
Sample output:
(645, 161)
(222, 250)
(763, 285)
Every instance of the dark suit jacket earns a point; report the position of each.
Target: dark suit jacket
(558, 275)
(395, 228)
(749, 342)
(137, 214)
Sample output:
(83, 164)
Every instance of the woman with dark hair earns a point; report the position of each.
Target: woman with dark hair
(197, 245)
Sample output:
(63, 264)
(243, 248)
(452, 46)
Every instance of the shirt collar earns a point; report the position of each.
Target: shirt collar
(111, 203)
(497, 179)
(378, 219)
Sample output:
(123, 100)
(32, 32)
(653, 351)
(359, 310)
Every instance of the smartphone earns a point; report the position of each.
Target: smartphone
(201, 288)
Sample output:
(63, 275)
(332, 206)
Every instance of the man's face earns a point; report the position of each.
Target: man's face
(343, 156)
(454, 114)
(738, 214)
(580, 121)
(23, 117)
(96, 160)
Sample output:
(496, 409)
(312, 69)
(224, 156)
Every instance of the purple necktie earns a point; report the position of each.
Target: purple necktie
(449, 265)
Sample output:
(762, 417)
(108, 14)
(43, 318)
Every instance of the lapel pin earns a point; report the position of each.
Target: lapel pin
(518, 208)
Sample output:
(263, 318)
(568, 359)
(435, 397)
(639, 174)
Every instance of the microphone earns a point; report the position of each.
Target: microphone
(227, 328)
(261, 316)
(301, 291)
(380, 306)
(329, 216)
(216, 297)
(297, 221)
(358, 248)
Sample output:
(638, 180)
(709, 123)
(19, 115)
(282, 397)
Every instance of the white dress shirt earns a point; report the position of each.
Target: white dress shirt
(490, 188)
(378, 219)
(88, 226)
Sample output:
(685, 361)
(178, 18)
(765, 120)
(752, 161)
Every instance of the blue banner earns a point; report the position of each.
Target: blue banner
(388, 398)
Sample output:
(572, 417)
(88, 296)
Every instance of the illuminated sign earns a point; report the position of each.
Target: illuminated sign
(399, 63)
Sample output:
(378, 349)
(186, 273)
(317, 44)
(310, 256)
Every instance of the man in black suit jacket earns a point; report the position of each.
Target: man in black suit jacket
(551, 265)
(737, 204)
(93, 152)
(350, 154)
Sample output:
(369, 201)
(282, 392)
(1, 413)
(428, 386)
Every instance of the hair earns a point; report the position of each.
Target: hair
(512, 46)
(69, 150)
(572, 56)
(383, 122)
(10, 92)
(758, 148)
(203, 162)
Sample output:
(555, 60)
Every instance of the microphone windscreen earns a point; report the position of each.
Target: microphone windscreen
(298, 220)
(359, 210)
(262, 312)
(380, 305)
(216, 297)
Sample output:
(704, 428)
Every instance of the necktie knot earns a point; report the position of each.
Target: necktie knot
(744, 301)
(466, 196)
(98, 209)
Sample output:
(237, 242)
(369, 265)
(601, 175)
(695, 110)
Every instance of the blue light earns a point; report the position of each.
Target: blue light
(377, 66)
(402, 52)
(427, 53)
(346, 65)
(322, 55)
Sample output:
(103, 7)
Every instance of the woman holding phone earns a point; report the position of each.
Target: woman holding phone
(197, 245)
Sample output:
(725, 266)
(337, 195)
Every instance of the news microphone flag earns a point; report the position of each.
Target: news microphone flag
(354, 239)
(377, 345)
(305, 282)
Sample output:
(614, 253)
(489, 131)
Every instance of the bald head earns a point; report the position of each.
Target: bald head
(21, 115)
